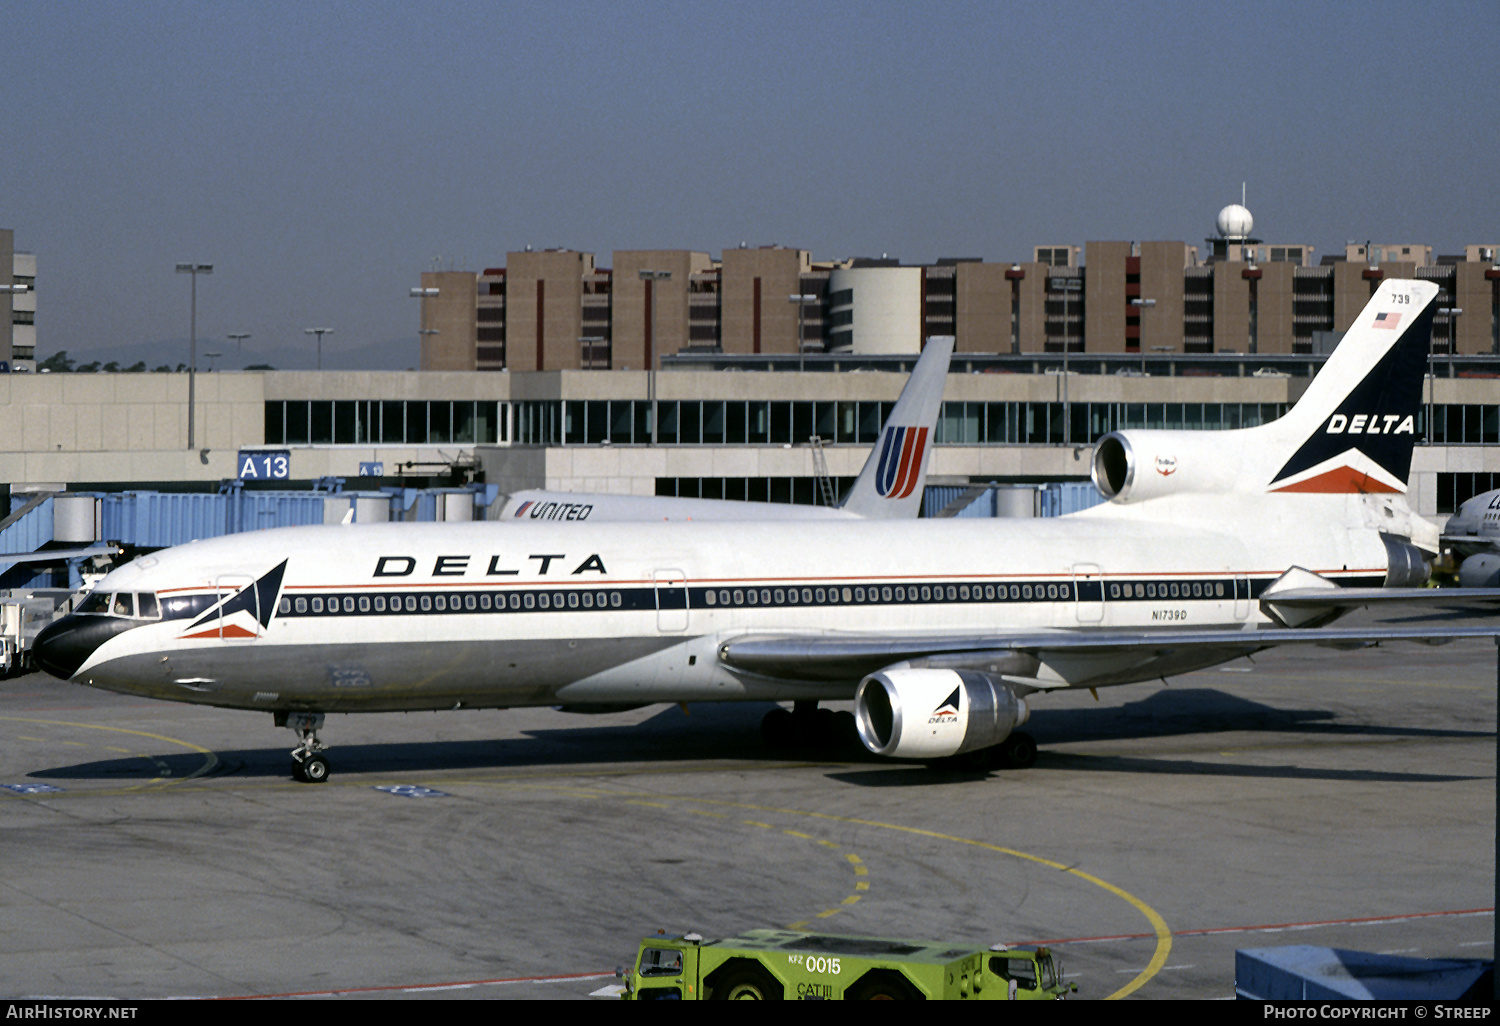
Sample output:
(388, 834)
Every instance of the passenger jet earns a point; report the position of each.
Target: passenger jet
(1214, 545)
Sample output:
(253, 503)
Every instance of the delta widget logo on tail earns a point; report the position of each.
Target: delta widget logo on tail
(900, 461)
(1364, 445)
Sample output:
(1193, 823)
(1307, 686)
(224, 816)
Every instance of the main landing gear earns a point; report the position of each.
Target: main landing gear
(807, 726)
(1017, 751)
(309, 764)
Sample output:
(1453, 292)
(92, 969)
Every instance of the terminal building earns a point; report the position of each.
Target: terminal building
(18, 314)
(737, 364)
(559, 310)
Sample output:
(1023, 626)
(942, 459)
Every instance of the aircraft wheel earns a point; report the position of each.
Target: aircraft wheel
(778, 729)
(315, 769)
(974, 762)
(814, 728)
(1018, 751)
(748, 985)
(297, 773)
(883, 985)
(846, 730)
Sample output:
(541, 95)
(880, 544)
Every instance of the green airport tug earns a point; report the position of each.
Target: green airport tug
(775, 965)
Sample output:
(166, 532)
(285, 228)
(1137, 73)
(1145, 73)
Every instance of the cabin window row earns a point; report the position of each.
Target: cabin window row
(671, 596)
(445, 602)
(1168, 589)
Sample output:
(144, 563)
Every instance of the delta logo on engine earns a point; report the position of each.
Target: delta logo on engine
(947, 712)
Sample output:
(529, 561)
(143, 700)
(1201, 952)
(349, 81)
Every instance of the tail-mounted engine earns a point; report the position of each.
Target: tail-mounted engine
(1130, 466)
(909, 713)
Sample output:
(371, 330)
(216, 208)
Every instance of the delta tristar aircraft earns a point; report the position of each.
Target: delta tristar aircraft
(1214, 545)
(889, 487)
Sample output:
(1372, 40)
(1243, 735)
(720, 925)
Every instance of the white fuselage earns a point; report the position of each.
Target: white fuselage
(416, 616)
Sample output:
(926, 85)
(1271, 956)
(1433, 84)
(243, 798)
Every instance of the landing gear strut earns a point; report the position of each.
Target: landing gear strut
(1017, 751)
(807, 726)
(309, 764)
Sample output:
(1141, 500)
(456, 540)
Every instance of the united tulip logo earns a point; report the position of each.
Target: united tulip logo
(900, 461)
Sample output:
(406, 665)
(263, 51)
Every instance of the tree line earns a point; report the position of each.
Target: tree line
(61, 363)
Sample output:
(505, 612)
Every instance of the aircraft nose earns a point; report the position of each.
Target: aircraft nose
(64, 645)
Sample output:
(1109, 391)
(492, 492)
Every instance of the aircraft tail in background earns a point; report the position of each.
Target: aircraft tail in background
(891, 484)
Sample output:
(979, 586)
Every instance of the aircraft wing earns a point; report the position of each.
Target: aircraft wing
(1480, 599)
(1469, 544)
(1064, 658)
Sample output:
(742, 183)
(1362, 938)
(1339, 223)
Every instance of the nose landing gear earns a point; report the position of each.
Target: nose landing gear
(309, 764)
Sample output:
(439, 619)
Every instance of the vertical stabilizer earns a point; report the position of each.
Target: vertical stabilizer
(890, 485)
(1354, 428)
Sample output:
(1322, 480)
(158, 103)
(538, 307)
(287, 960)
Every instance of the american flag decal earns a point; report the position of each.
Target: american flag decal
(1387, 321)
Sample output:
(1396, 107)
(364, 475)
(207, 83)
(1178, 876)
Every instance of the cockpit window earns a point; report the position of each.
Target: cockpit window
(95, 602)
(131, 605)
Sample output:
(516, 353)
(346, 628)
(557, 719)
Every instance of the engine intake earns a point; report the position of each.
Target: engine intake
(909, 713)
(1135, 465)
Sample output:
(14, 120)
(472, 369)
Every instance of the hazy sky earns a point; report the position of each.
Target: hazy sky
(322, 155)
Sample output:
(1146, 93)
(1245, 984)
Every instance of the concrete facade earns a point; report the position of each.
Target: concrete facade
(544, 308)
(448, 325)
(875, 309)
(129, 430)
(757, 314)
(634, 319)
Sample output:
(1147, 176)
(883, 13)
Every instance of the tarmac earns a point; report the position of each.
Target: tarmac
(152, 850)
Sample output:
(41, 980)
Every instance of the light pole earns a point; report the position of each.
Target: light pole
(212, 356)
(238, 337)
(424, 294)
(801, 299)
(1143, 304)
(1066, 286)
(650, 278)
(1452, 313)
(194, 270)
(320, 332)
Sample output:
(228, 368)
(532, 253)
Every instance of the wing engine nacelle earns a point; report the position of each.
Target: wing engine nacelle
(1131, 466)
(909, 713)
(1481, 571)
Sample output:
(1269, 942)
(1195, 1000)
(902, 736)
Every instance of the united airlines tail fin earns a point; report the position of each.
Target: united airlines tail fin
(1352, 431)
(890, 485)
